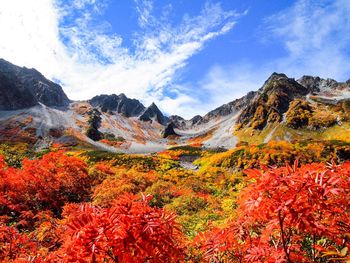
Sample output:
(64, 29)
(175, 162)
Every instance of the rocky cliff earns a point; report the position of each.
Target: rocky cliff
(21, 87)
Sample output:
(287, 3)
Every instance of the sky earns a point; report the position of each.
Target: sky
(187, 56)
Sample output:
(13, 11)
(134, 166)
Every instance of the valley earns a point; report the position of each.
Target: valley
(110, 180)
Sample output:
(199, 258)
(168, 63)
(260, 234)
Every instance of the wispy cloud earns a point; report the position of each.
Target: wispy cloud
(144, 9)
(220, 85)
(65, 42)
(68, 43)
(315, 36)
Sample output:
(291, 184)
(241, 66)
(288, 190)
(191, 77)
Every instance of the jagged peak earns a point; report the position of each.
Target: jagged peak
(22, 87)
(279, 75)
(196, 119)
(272, 78)
(176, 117)
(309, 77)
(119, 103)
(153, 106)
(122, 96)
(275, 76)
(280, 81)
(316, 78)
(153, 112)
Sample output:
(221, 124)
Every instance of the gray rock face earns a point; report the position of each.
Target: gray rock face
(178, 121)
(120, 104)
(169, 130)
(311, 83)
(196, 120)
(230, 107)
(153, 113)
(319, 85)
(316, 84)
(22, 87)
(94, 124)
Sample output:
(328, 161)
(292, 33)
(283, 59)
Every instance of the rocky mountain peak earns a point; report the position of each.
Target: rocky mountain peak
(122, 96)
(21, 87)
(153, 106)
(177, 121)
(276, 76)
(279, 82)
(153, 113)
(310, 82)
(317, 84)
(120, 104)
(272, 101)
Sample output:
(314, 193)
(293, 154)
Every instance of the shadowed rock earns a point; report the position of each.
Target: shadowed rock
(22, 88)
(120, 104)
(169, 130)
(153, 113)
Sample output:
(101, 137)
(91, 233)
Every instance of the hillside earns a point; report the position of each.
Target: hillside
(36, 110)
(263, 178)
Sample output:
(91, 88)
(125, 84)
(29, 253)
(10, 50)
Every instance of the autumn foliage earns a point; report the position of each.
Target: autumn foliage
(288, 214)
(44, 184)
(129, 231)
(99, 207)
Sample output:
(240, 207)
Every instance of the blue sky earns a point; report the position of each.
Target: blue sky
(187, 56)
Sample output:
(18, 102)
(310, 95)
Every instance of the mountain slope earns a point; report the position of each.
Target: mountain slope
(271, 101)
(22, 87)
(282, 109)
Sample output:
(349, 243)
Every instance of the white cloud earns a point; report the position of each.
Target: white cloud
(64, 42)
(316, 35)
(220, 85)
(144, 9)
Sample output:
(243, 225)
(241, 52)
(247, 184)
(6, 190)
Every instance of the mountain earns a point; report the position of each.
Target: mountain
(169, 130)
(119, 104)
(228, 108)
(178, 121)
(22, 88)
(153, 113)
(35, 110)
(271, 101)
(316, 84)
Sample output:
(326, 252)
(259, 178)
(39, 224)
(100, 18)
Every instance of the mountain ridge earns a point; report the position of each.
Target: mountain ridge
(21, 87)
(39, 111)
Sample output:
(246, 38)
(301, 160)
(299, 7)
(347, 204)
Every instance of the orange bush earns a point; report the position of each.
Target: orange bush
(44, 184)
(288, 214)
(129, 231)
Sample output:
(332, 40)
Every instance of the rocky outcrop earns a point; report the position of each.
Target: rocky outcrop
(118, 103)
(196, 120)
(271, 101)
(317, 84)
(298, 114)
(22, 88)
(169, 130)
(178, 121)
(94, 124)
(152, 113)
